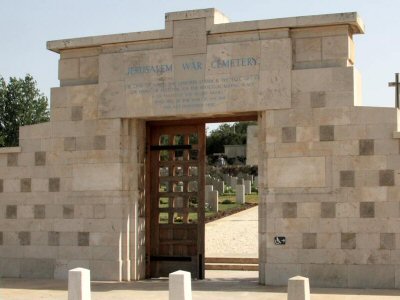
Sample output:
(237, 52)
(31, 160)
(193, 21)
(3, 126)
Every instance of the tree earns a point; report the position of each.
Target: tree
(227, 134)
(21, 103)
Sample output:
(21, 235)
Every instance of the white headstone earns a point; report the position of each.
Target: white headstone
(233, 182)
(247, 187)
(213, 196)
(79, 284)
(240, 197)
(298, 288)
(221, 187)
(208, 189)
(180, 286)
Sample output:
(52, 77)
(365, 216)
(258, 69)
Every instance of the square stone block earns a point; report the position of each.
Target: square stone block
(11, 212)
(12, 159)
(40, 158)
(99, 142)
(70, 144)
(309, 240)
(1, 185)
(54, 184)
(348, 240)
(83, 238)
(326, 133)
(318, 99)
(289, 210)
(39, 211)
(347, 178)
(288, 134)
(76, 113)
(26, 185)
(388, 241)
(24, 238)
(68, 211)
(386, 177)
(53, 238)
(367, 209)
(366, 147)
(328, 210)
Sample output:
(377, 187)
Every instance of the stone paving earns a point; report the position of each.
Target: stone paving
(233, 236)
(219, 285)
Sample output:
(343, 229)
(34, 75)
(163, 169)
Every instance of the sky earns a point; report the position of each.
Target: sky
(26, 26)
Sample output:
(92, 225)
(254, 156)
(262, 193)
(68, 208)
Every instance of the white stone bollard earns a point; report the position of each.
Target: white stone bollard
(79, 284)
(180, 286)
(298, 288)
(247, 187)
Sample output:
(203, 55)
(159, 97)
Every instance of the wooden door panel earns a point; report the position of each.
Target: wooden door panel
(176, 199)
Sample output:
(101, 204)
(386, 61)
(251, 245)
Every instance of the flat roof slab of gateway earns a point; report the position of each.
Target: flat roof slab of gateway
(221, 25)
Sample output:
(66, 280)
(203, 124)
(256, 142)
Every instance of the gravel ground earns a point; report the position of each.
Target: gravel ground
(233, 236)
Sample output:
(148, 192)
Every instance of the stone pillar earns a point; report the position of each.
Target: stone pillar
(298, 288)
(213, 197)
(240, 197)
(247, 187)
(207, 192)
(79, 284)
(180, 286)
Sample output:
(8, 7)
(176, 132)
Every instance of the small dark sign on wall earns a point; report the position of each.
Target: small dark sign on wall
(280, 240)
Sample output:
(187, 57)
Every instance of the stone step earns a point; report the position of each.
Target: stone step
(232, 260)
(231, 267)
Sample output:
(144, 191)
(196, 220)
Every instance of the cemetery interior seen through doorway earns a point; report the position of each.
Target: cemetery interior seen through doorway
(204, 201)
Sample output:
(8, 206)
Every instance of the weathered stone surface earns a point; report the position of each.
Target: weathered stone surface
(366, 147)
(347, 178)
(39, 211)
(309, 240)
(296, 172)
(11, 211)
(348, 240)
(101, 177)
(25, 185)
(289, 210)
(288, 134)
(54, 184)
(386, 177)
(326, 133)
(367, 209)
(328, 210)
(83, 238)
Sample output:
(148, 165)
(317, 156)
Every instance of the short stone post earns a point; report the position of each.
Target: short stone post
(213, 196)
(180, 286)
(240, 196)
(79, 284)
(247, 187)
(298, 288)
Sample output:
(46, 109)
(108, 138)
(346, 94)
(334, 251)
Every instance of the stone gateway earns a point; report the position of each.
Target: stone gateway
(82, 190)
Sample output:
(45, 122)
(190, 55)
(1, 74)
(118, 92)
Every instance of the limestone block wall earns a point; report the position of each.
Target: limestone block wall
(330, 184)
(64, 201)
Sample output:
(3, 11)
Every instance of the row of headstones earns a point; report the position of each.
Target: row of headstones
(179, 285)
(214, 187)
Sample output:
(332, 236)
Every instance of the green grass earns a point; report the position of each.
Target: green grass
(224, 209)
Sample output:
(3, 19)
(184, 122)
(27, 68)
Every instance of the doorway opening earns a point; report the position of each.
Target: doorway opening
(231, 198)
(179, 174)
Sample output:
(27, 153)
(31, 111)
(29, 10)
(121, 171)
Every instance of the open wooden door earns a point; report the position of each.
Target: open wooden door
(176, 199)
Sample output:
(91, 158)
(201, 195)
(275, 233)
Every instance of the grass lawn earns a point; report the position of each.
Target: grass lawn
(223, 209)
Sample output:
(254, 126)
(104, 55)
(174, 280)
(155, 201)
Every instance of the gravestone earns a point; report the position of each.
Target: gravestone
(240, 196)
(247, 187)
(213, 200)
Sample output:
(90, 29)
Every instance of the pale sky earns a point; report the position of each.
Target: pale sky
(26, 25)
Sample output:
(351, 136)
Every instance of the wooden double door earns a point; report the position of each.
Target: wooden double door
(176, 199)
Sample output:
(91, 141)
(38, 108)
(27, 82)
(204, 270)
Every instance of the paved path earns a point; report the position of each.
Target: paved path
(233, 236)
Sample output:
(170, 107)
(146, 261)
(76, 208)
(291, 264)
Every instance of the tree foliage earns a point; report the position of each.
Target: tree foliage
(21, 103)
(227, 134)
